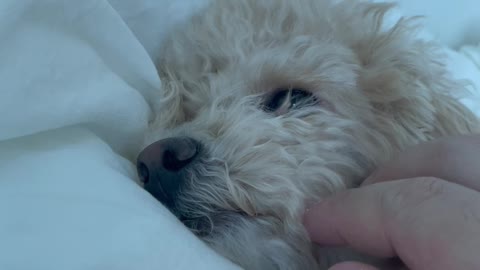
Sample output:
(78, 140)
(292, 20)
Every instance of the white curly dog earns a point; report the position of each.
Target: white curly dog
(270, 105)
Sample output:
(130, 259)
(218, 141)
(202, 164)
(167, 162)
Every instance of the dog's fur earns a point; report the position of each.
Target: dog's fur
(379, 89)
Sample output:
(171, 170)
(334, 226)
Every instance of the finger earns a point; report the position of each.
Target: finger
(453, 159)
(429, 223)
(352, 266)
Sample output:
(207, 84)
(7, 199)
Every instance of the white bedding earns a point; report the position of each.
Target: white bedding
(77, 89)
(76, 92)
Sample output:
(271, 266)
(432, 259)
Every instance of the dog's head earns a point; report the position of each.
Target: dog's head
(270, 105)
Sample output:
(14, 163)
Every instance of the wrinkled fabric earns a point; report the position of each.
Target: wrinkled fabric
(77, 91)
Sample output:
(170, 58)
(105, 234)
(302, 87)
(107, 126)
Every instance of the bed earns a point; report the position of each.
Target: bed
(78, 89)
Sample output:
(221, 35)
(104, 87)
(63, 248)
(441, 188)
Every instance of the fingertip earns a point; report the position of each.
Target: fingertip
(317, 220)
(310, 219)
(350, 218)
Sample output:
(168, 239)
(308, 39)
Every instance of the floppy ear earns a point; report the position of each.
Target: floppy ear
(413, 89)
(406, 81)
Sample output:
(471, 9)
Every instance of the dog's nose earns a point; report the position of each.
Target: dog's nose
(161, 165)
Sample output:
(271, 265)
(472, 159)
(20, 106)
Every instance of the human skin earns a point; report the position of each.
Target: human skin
(423, 207)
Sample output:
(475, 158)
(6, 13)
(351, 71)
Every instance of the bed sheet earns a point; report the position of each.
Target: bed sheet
(77, 93)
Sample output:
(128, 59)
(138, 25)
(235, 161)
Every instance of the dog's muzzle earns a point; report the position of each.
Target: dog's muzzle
(161, 167)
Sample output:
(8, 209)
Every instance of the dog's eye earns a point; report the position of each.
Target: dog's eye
(284, 100)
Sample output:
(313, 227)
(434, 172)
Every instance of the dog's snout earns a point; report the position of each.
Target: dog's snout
(161, 166)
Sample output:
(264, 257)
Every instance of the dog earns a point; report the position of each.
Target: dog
(271, 105)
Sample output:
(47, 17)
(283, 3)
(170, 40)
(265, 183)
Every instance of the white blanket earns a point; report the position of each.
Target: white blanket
(76, 92)
(77, 86)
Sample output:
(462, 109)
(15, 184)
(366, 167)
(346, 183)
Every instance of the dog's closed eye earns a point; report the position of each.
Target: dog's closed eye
(284, 100)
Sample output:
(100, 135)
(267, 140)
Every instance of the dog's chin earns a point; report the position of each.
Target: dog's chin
(266, 243)
(210, 226)
(260, 242)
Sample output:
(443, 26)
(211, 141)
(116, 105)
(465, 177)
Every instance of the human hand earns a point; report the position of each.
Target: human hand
(429, 218)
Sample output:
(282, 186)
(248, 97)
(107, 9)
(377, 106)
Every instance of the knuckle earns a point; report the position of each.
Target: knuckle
(395, 199)
(427, 187)
(412, 194)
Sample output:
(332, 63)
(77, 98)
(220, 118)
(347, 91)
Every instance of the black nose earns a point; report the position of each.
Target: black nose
(161, 166)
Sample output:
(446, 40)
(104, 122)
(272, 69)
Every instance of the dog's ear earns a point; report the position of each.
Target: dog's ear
(414, 90)
(406, 82)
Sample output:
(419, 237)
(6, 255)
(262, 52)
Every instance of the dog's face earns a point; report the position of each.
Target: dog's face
(271, 105)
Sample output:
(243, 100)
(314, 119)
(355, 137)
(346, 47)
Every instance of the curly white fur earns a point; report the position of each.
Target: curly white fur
(380, 90)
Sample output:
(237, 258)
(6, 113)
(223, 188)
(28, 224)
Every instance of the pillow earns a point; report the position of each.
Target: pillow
(451, 23)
